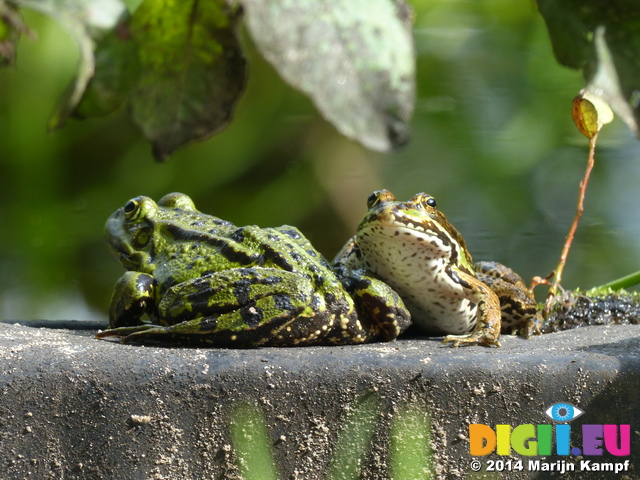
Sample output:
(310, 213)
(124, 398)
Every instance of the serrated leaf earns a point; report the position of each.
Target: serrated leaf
(86, 20)
(355, 59)
(191, 70)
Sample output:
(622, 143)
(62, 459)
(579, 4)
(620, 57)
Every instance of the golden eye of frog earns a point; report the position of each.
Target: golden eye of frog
(196, 279)
(414, 249)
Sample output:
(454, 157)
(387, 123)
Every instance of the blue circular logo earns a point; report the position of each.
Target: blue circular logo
(563, 412)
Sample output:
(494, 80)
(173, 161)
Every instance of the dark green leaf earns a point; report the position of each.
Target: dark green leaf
(603, 39)
(355, 59)
(116, 70)
(192, 70)
(86, 20)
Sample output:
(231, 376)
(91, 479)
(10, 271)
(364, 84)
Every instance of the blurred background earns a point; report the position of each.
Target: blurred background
(493, 141)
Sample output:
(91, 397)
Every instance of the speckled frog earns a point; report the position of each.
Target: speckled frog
(414, 249)
(198, 280)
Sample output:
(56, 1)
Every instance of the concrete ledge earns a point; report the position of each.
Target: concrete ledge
(75, 407)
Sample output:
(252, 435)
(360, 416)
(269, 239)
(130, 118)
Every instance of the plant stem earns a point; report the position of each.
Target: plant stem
(557, 277)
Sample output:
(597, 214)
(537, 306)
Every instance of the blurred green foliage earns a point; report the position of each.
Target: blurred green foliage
(493, 140)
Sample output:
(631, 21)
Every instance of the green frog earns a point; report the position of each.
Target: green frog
(414, 249)
(195, 279)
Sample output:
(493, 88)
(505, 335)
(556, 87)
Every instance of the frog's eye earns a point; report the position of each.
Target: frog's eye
(431, 202)
(373, 199)
(130, 207)
(380, 196)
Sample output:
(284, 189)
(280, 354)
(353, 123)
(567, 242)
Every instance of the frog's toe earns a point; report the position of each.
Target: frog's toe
(125, 332)
(474, 338)
(454, 340)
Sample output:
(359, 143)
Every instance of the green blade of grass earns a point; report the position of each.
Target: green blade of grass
(623, 282)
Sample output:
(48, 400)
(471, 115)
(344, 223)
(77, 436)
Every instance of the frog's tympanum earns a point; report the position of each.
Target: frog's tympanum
(414, 249)
(202, 280)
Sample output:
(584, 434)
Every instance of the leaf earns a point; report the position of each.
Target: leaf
(602, 39)
(585, 116)
(192, 70)
(590, 113)
(355, 59)
(11, 26)
(604, 87)
(116, 70)
(86, 20)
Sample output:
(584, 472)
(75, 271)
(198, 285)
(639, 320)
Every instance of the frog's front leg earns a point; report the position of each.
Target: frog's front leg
(132, 297)
(488, 324)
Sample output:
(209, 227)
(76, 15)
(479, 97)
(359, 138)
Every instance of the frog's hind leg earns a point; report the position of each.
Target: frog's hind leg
(381, 311)
(520, 311)
(241, 328)
(244, 307)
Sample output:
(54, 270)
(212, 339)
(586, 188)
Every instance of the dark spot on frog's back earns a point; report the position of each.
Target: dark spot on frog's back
(241, 258)
(283, 302)
(272, 280)
(291, 233)
(242, 290)
(275, 257)
(238, 235)
(224, 223)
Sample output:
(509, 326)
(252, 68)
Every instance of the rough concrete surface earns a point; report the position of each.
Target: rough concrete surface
(74, 407)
